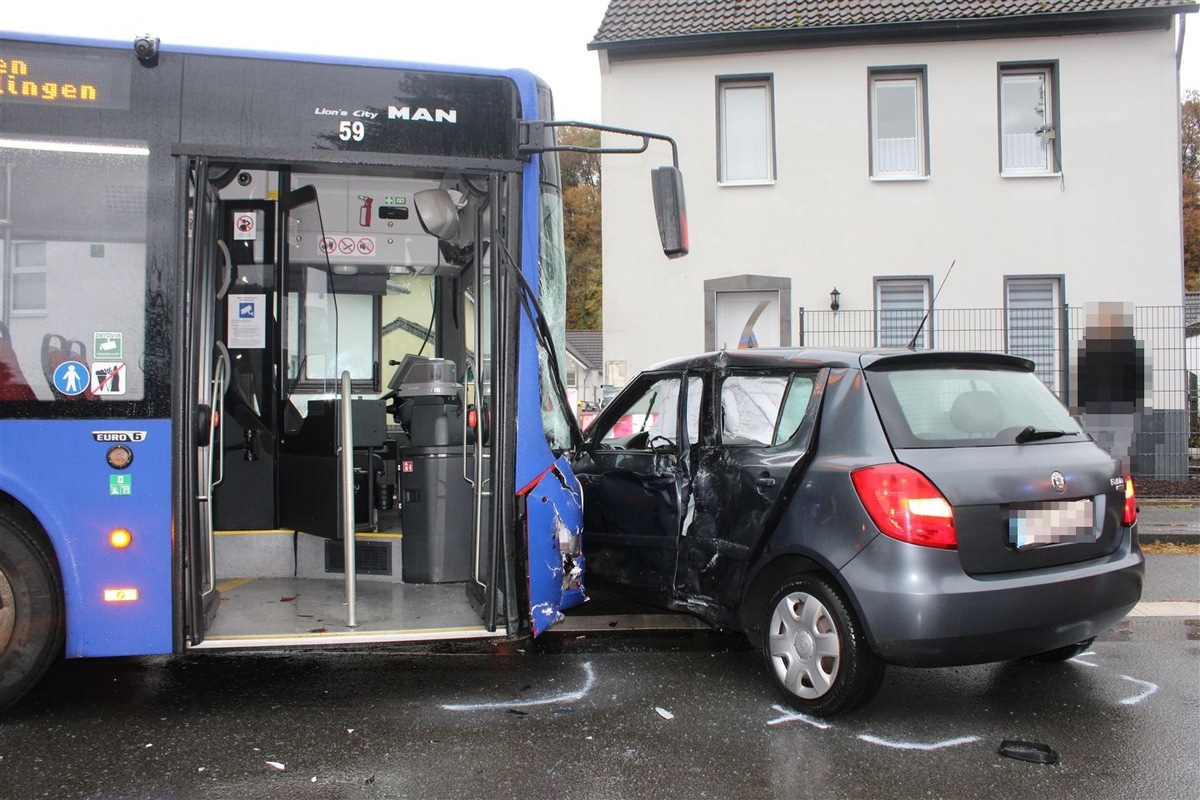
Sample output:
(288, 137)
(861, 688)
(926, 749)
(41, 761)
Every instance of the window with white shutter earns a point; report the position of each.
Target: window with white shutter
(1032, 324)
(900, 306)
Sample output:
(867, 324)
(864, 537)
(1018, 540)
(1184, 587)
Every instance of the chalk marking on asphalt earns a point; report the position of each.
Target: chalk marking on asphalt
(568, 697)
(792, 716)
(867, 737)
(1133, 700)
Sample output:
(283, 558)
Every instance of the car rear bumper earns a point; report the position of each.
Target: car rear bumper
(920, 609)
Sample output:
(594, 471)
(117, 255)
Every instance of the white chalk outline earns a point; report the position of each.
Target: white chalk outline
(568, 697)
(1133, 700)
(792, 716)
(867, 737)
(1079, 659)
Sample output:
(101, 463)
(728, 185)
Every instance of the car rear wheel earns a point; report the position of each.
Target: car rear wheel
(31, 630)
(816, 650)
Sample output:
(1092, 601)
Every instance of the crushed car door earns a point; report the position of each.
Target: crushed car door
(744, 475)
(636, 483)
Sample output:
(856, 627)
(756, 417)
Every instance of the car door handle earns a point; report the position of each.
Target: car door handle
(765, 481)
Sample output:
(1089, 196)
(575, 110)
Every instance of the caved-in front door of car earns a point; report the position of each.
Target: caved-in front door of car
(765, 425)
(636, 483)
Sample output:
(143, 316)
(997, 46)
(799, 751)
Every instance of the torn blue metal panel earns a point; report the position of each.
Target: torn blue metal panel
(555, 522)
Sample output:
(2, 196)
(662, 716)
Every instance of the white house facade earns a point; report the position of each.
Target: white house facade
(846, 163)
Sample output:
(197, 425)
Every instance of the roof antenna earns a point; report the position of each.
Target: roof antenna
(912, 345)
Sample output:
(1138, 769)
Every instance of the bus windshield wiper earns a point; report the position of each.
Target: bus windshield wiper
(1032, 434)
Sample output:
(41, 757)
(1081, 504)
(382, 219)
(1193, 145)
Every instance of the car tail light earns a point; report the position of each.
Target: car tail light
(1130, 514)
(905, 505)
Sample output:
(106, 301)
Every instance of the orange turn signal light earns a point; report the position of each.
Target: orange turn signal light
(120, 538)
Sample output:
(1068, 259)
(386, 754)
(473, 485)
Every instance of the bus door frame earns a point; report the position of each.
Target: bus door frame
(201, 409)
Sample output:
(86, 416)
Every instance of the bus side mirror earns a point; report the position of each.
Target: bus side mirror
(669, 210)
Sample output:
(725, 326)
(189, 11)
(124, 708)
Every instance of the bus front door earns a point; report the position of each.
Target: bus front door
(300, 279)
(201, 431)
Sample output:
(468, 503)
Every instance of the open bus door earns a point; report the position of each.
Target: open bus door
(198, 438)
(322, 309)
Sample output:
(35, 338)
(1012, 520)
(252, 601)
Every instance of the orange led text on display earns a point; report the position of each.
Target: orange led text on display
(16, 81)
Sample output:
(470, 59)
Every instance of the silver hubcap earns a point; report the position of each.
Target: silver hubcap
(804, 646)
(8, 612)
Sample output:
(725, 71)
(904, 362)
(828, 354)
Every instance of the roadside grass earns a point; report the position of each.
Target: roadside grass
(1171, 548)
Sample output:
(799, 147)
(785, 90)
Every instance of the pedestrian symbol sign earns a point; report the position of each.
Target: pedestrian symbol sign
(71, 378)
(120, 485)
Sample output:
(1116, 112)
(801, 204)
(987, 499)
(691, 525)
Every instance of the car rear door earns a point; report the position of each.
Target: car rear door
(763, 433)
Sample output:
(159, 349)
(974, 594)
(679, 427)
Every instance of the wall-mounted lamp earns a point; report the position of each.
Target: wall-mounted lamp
(835, 299)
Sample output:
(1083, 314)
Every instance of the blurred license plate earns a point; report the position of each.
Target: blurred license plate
(1050, 523)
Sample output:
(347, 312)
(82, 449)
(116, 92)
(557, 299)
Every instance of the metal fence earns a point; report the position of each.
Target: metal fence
(1054, 338)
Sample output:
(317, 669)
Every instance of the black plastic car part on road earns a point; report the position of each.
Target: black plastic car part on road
(850, 509)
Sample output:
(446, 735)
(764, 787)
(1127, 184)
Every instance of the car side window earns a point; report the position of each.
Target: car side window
(758, 410)
(694, 395)
(654, 414)
(794, 405)
(750, 407)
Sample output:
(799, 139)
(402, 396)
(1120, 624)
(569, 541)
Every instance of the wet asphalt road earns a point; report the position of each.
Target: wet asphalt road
(578, 718)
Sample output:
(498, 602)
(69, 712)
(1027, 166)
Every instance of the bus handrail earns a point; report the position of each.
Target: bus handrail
(346, 462)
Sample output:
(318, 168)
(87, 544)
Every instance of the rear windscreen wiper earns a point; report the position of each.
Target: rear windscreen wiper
(1032, 434)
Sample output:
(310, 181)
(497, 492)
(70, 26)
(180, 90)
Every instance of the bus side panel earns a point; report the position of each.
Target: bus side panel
(555, 511)
(59, 471)
(534, 458)
(533, 453)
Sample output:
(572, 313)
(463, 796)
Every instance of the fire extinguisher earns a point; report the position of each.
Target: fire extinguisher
(364, 211)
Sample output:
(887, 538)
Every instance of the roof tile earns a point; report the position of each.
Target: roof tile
(629, 20)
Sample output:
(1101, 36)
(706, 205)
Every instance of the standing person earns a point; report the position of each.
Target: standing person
(1113, 379)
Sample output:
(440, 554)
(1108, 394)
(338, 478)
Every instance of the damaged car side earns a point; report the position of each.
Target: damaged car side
(851, 509)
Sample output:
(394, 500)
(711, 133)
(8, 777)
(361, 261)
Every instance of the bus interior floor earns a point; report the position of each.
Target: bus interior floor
(279, 611)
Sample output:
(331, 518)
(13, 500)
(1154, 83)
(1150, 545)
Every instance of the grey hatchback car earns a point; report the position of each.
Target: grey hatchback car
(852, 509)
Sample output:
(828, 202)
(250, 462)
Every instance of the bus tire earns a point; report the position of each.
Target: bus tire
(31, 607)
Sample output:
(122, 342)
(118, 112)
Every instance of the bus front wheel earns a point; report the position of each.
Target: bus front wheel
(31, 629)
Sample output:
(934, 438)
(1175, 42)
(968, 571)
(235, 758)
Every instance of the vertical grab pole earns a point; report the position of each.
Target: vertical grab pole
(346, 462)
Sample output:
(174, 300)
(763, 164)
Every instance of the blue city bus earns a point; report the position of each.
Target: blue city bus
(281, 350)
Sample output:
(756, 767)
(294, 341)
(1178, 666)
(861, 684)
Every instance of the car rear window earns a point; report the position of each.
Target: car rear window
(968, 406)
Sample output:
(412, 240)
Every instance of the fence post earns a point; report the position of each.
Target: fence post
(1064, 327)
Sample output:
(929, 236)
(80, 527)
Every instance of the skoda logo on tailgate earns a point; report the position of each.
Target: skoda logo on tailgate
(1058, 481)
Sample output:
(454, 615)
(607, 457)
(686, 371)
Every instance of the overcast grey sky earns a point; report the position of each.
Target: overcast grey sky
(548, 37)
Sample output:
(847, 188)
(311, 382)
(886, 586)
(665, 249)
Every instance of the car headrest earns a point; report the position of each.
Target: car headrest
(976, 412)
